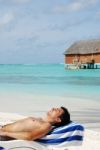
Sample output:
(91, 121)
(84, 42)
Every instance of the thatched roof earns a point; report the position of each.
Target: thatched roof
(84, 47)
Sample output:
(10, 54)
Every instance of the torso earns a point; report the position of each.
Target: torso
(30, 124)
(27, 124)
(34, 123)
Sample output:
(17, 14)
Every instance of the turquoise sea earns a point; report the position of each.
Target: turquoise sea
(50, 79)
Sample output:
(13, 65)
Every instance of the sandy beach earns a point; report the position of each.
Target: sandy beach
(84, 111)
(87, 112)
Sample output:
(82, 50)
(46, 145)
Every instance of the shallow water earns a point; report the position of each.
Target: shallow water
(50, 79)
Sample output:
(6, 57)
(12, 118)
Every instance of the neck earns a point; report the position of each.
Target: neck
(48, 120)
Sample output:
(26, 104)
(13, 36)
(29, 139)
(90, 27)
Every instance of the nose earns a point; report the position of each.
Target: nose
(55, 108)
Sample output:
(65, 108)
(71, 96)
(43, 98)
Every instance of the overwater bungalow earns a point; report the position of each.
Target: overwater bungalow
(83, 55)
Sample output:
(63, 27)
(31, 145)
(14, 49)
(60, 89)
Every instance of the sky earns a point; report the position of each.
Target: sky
(39, 31)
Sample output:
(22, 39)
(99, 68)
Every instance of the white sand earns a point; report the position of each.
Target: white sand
(91, 138)
(82, 110)
(85, 111)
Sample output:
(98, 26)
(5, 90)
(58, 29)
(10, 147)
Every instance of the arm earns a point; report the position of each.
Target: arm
(16, 135)
(30, 135)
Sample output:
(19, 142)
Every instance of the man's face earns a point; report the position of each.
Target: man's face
(55, 114)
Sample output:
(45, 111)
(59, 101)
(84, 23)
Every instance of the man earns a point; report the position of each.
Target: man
(35, 128)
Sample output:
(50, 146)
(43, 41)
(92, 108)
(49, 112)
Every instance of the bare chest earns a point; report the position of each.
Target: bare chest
(33, 124)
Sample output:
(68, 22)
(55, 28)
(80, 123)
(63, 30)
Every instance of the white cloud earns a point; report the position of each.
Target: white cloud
(6, 19)
(75, 5)
(69, 8)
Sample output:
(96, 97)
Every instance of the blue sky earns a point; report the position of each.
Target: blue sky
(39, 31)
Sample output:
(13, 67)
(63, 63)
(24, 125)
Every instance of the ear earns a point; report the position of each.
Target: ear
(58, 120)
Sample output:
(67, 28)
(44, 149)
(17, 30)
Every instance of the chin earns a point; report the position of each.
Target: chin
(48, 113)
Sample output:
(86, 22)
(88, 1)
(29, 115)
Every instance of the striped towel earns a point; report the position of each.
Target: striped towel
(68, 135)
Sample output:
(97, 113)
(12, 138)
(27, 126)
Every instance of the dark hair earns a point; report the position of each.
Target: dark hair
(65, 118)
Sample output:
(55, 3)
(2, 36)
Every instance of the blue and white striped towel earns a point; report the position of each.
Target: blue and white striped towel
(68, 135)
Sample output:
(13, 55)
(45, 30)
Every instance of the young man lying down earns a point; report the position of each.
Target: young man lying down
(34, 128)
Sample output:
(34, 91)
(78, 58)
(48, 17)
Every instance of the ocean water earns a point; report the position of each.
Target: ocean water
(50, 79)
